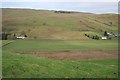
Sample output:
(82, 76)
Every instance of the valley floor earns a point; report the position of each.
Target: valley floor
(60, 59)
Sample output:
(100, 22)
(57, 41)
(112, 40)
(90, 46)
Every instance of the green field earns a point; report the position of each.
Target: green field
(19, 65)
(46, 45)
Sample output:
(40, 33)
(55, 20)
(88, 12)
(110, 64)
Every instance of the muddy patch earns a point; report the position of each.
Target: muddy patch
(77, 55)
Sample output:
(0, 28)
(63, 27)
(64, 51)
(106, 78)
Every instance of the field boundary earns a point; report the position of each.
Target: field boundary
(7, 43)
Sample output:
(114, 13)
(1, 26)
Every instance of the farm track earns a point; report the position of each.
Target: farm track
(78, 55)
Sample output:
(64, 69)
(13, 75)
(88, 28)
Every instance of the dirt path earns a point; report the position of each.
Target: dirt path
(68, 55)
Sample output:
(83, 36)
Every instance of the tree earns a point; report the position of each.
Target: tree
(25, 35)
(105, 33)
(4, 36)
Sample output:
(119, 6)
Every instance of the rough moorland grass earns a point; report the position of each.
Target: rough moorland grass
(17, 65)
(47, 24)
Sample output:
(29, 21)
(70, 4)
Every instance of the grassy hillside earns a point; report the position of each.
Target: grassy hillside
(43, 24)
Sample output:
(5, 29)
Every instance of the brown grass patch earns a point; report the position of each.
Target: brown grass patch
(77, 55)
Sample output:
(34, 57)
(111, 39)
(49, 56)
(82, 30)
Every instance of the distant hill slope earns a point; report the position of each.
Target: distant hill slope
(44, 24)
